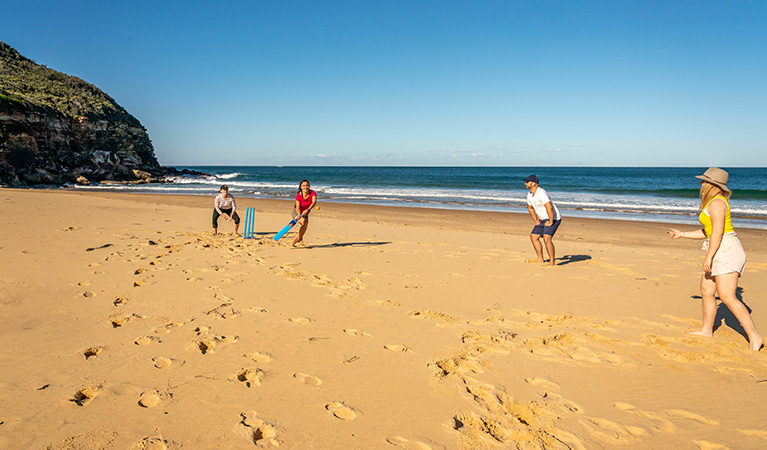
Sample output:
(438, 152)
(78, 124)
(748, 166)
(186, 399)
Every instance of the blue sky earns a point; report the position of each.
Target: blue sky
(612, 83)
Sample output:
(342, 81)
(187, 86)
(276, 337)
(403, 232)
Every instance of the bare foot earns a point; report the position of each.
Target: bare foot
(297, 243)
(757, 344)
(700, 333)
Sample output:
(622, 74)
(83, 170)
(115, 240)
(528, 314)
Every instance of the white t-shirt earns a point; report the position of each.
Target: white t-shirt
(538, 202)
(224, 203)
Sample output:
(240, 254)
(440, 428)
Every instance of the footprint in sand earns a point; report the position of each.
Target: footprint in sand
(757, 433)
(467, 420)
(613, 432)
(151, 443)
(119, 321)
(119, 301)
(251, 377)
(92, 351)
(162, 362)
(149, 399)
(356, 332)
(432, 315)
(250, 419)
(660, 423)
(300, 320)
(680, 413)
(207, 345)
(84, 395)
(87, 294)
(399, 441)
(307, 379)
(259, 357)
(341, 411)
(388, 303)
(263, 433)
(167, 329)
(224, 311)
(705, 445)
(623, 406)
(545, 384)
(145, 340)
(459, 363)
(223, 298)
(561, 403)
(323, 280)
(287, 271)
(397, 348)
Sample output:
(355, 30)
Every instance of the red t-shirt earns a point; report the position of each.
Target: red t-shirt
(305, 203)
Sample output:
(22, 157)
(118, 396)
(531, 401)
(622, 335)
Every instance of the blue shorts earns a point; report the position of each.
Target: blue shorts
(542, 229)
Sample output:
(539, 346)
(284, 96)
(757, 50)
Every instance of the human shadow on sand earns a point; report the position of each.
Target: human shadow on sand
(725, 317)
(567, 259)
(345, 244)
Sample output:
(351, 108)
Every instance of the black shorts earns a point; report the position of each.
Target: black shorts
(542, 229)
(228, 212)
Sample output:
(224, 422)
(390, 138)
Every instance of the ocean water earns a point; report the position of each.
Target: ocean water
(627, 193)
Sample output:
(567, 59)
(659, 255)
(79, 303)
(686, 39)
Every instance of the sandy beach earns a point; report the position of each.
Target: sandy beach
(126, 324)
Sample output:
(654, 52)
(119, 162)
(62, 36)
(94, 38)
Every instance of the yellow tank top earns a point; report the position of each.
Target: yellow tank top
(705, 219)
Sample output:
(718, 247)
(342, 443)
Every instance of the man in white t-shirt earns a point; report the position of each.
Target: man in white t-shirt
(224, 205)
(545, 216)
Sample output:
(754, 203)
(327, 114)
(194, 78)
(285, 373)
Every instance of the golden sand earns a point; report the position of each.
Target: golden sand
(126, 324)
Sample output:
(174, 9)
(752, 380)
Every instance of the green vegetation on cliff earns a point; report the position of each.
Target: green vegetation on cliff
(25, 82)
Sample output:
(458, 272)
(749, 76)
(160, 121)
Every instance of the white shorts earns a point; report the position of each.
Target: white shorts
(730, 257)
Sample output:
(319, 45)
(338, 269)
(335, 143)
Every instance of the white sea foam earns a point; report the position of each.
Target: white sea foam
(228, 176)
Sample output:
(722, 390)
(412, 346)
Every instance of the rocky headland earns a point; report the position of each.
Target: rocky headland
(57, 129)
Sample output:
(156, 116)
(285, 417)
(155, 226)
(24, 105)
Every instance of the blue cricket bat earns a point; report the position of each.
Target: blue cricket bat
(285, 229)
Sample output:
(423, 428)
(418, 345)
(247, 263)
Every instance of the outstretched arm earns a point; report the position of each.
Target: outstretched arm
(676, 234)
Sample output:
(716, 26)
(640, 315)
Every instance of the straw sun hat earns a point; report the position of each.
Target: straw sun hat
(717, 176)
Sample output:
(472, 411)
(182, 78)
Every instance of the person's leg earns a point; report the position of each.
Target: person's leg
(236, 222)
(708, 302)
(727, 285)
(547, 239)
(304, 222)
(535, 239)
(215, 221)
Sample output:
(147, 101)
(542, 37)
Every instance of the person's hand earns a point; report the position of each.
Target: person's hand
(549, 223)
(674, 233)
(227, 217)
(707, 264)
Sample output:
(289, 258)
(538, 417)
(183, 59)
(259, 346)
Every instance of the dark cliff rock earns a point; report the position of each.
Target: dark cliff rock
(56, 128)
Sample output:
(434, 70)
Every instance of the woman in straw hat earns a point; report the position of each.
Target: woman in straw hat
(725, 258)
